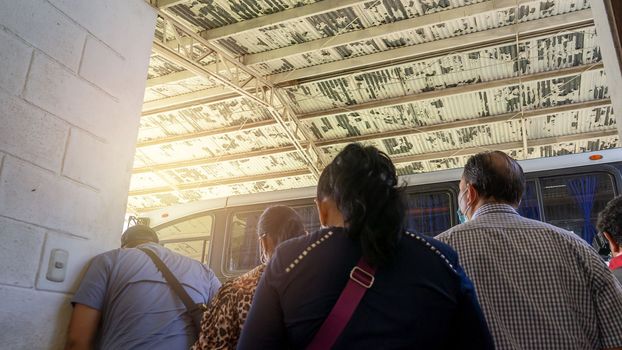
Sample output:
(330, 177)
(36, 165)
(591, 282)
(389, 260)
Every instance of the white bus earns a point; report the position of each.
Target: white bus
(566, 191)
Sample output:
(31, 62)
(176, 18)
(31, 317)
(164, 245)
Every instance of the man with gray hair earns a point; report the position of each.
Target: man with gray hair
(540, 287)
(124, 301)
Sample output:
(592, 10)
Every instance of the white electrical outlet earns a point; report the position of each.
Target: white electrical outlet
(57, 266)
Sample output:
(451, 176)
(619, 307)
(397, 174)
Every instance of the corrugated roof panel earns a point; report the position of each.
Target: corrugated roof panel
(538, 94)
(179, 88)
(369, 14)
(236, 168)
(430, 165)
(454, 139)
(202, 117)
(212, 192)
(380, 12)
(479, 22)
(563, 148)
(197, 83)
(209, 14)
(574, 122)
(146, 180)
(159, 66)
(487, 64)
(268, 38)
(169, 90)
(214, 146)
(152, 95)
(588, 86)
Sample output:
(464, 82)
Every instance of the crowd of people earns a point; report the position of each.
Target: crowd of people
(363, 281)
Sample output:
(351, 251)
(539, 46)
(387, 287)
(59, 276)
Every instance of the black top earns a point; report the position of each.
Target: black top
(422, 299)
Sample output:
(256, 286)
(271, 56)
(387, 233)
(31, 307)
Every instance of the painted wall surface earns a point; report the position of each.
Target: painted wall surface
(72, 79)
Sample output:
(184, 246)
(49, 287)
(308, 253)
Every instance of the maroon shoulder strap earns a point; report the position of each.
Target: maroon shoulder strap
(361, 279)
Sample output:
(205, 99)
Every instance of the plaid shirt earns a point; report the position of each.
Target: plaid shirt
(540, 287)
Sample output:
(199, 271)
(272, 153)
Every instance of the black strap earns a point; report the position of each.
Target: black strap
(195, 310)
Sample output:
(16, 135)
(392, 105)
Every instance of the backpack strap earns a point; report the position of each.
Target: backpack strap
(361, 279)
(194, 310)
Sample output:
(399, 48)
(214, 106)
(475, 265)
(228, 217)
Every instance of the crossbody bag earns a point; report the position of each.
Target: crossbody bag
(361, 279)
(194, 310)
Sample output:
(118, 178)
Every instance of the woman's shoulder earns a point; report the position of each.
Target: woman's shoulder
(249, 280)
(291, 253)
(436, 249)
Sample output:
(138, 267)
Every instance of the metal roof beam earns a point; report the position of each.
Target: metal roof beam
(385, 102)
(397, 160)
(204, 133)
(462, 42)
(212, 160)
(379, 31)
(170, 78)
(394, 133)
(505, 146)
(279, 17)
(201, 97)
(220, 182)
(162, 4)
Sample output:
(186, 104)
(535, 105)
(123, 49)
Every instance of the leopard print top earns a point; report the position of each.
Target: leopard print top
(222, 322)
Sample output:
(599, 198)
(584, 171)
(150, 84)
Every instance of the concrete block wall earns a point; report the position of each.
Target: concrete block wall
(72, 79)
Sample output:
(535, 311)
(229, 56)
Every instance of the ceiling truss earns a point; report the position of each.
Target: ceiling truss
(387, 102)
(236, 76)
(201, 55)
(394, 133)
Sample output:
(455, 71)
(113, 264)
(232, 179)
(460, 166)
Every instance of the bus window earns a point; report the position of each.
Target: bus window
(192, 249)
(429, 213)
(189, 236)
(310, 218)
(243, 252)
(529, 206)
(573, 202)
(243, 241)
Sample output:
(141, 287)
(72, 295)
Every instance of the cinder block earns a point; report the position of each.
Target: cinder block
(30, 134)
(103, 67)
(14, 61)
(80, 253)
(125, 25)
(46, 28)
(71, 98)
(95, 163)
(32, 319)
(37, 196)
(20, 250)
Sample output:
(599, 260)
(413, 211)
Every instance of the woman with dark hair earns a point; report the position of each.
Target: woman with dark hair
(362, 281)
(223, 320)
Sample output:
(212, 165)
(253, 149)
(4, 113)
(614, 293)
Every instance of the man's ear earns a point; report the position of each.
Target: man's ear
(472, 196)
(613, 245)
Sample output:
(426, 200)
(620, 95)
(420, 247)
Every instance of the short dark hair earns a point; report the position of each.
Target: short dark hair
(280, 223)
(610, 219)
(364, 185)
(142, 233)
(495, 175)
